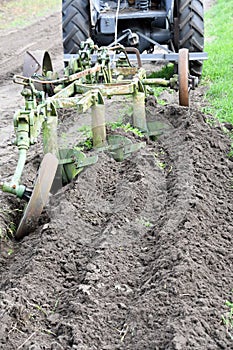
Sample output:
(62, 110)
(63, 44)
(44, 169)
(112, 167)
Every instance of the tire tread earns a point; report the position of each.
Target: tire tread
(191, 30)
(75, 24)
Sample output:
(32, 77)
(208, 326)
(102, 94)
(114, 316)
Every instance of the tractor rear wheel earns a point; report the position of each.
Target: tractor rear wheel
(75, 24)
(189, 30)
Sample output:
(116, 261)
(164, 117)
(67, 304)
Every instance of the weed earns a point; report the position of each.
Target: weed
(158, 161)
(157, 91)
(228, 318)
(126, 127)
(85, 130)
(167, 72)
(85, 145)
(116, 125)
(48, 331)
(209, 120)
(145, 222)
(230, 154)
(87, 142)
(10, 227)
(161, 165)
(10, 252)
(41, 309)
(130, 128)
(55, 306)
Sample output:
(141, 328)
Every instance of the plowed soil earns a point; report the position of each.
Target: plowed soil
(131, 255)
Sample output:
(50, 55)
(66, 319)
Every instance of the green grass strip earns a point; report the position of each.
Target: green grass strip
(15, 14)
(218, 70)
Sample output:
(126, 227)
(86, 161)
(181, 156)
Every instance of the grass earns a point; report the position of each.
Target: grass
(218, 74)
(145, 222)
(24, 12)
(228, 318)
(218, 69)
(165, 73)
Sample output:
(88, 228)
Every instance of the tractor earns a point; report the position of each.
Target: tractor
(142, 24)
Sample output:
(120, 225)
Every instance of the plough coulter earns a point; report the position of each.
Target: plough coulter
(90, 76)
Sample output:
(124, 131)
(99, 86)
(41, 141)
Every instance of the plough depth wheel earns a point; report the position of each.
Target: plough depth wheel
(183, 71)
(39, 195)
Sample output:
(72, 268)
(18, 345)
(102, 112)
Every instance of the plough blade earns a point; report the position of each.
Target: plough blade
(39, 195)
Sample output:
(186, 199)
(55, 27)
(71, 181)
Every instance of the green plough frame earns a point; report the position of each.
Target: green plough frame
(85, 84)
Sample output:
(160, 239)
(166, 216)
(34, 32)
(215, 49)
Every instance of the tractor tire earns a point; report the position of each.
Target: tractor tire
(189, 30)
(75, 24)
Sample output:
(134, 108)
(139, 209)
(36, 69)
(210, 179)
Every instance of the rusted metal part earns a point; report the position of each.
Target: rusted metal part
(183, 73)
(84, 73)
(137, 53)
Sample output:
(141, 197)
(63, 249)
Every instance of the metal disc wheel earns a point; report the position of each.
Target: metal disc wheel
(183, 72)
(39, 195)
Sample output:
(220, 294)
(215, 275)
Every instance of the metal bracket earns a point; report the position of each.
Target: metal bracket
(72, 162)
(121, 147)
(79, 163)
(164, 56)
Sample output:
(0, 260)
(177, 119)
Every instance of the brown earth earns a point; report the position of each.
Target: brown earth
(131, 255)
